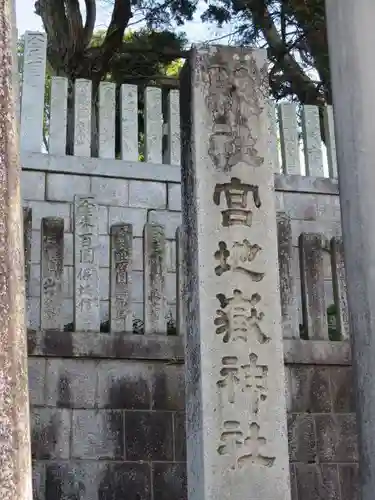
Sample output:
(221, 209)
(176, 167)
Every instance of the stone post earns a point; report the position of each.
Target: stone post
(351, 38)
(236, 417)
(15, 454)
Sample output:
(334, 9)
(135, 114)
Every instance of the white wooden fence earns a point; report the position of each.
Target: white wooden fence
(296, 150)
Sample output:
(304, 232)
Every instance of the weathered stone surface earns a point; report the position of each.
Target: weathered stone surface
(123, 385)
(97, 434)
(71, 383)
(316, 482)
(169, 220)
(62, 187)
(89, 480)
(174, 197)
(169, 481)
(301, 437)
(303, 352)
(113, 192)
(37, 377)
(121, 248)
(308, 388)
(349, 482)
(342, 389)
(236, 423)
(52, 269)
(168, 387)
(50, 433)
(293, 482)
(33, 185)
(155, 315)
(41, 208)
(147, 194)
(336, 438)
(149, 435)
(39, 480)
(179, 436)
(86, 262)
(137, 217)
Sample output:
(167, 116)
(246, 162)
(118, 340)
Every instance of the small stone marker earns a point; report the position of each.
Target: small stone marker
(237, 445)
(86, 261)
(154, 280)
(52, 274)
(121, 319)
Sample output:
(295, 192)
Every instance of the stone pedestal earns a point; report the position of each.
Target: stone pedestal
(236, 417)
(15, 454)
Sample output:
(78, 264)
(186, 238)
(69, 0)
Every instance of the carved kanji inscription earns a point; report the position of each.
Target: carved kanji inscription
(232, 139)
(236, 198)
(238, 318)
(255, 381)
(230, 377)
(243, 450)
(238, 259)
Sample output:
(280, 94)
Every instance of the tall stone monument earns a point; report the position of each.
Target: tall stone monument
(15, 454)
(236, 416)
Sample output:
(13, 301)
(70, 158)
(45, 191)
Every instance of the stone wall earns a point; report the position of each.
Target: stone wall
(113, 424)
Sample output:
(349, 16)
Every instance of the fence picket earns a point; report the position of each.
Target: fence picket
(155, 307)
(312, 141)
(32, 100)
(58, 116)
(339, 287)
(82, 118)
(289, 139)
(153, 125)
(129, 122)
(52, 272)
(329, 130)
(314, 311)
(107, 119)
(121, 252)
(173, 156)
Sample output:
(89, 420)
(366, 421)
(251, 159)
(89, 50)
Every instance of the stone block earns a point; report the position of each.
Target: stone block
(148, 195)
(104, 274)
(137, 286)
(293, 483)
(50, 433)
(135, 216)
(342, 389)
(108, 191)
(171, 257)
(137, 254)
(301, 206)
(33, 185)
(168, 387)
(104, 250)
(68, 282)
(39, 479)
(63, 187)
(349, 481)
(71, 383)
(97, 434)
(179, 436)
(301, 438)
(336, 438)
(170, 288)
(308, 390)
(174, 197)
(42, 209)
(328, 228)
(316, 482)
(169, 481)
(37, 377)
(169, 220)
(89, 480)
(328, 207)
(35, 247)
(123, 385)
(149, 435)
(103, 220)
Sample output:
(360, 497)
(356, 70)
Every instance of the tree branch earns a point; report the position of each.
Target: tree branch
(90, 21)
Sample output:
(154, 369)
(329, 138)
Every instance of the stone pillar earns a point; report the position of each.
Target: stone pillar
(351, 38)
(15, 454)
(236, 417)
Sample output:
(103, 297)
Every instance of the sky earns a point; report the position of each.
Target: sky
(195, 30)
